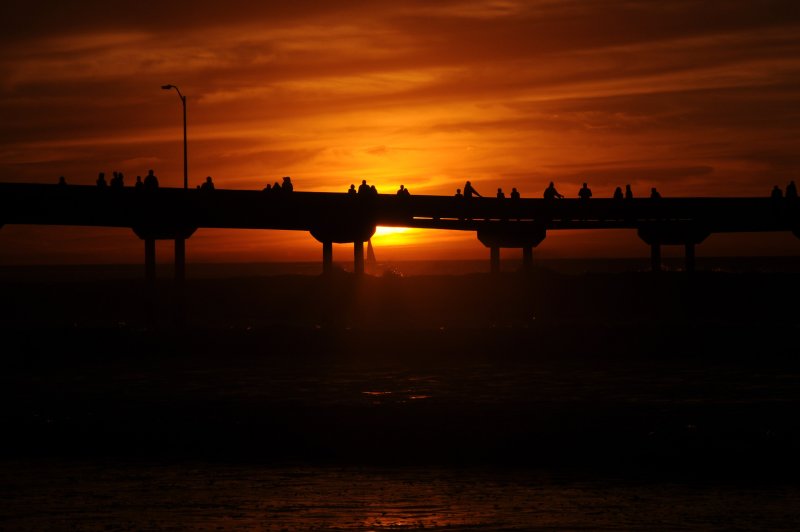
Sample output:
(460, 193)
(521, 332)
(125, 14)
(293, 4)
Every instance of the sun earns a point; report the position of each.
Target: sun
(393, 236)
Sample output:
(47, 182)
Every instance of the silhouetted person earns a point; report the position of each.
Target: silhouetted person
(287, 185)
(117, 181)
(500, 194)
(101, 180)
(791, 191)
(551, 193)
(363, 188)
(276, 187)
(777, 193)
(268, 188)
(138, 185)
(458, 195)
(618, 195)
(150, 181)
(469, 191)
(654, 194)
(514, 193)
(61, 181)
(208, 184)
(585, 193)
(352, 190)
(402, 190)
(373, 192)
(628, 192)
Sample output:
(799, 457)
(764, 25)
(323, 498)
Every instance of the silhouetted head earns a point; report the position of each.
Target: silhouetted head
(584, 185)
(208, 179)
(499, 189)
(468, 183)
(149, 172)
(513, 189)
(551, 183)
(458, 191)
(287, 178)
(363, 181)
(402, 187)
(101, 174)
(138, 179)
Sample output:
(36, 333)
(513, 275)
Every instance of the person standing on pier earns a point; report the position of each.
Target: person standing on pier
(551, 193)
(585, 193)
(150, 181)
(469, 191)
(791, 191)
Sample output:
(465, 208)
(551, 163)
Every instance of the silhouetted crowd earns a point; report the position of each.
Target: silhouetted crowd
(365, 190)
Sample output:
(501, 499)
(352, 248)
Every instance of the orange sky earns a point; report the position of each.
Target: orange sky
(696, 98)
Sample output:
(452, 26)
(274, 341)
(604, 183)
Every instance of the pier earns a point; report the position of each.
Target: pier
(176, 214)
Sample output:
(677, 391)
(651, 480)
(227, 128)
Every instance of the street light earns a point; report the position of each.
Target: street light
(185, 157)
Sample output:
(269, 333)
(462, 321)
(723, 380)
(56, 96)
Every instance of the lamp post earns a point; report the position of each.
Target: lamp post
(185, 156)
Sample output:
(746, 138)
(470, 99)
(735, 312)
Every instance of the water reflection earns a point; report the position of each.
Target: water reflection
(93, 496)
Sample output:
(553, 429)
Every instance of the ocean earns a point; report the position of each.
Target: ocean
(589, 395)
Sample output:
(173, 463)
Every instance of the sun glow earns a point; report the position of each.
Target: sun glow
(394, 236)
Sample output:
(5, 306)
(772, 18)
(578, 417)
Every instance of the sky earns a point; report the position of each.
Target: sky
(695, 98)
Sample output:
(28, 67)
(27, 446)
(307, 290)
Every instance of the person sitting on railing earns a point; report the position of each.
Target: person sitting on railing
(62, 182)
(628, 192)
(501, 194)
(373, 192)
(268, 188)
(287, 185)
(363, 188)
(514, 194)
(138, 185)
(618, 195)
(654, 194)
(352, 190)
(101, 180)
(208, 184)
(403, 191)
(777, 193)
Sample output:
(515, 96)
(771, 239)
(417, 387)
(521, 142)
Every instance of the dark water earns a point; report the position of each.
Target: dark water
(100, 496)
(603, 401)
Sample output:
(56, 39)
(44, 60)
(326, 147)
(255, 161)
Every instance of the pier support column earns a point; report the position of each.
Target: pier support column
(150, 281)
(494, 259)
(150, 260)
(655, 257)
(527, 259)
(327, 257)
(358, 258)
(690, 257)
(180, 260)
